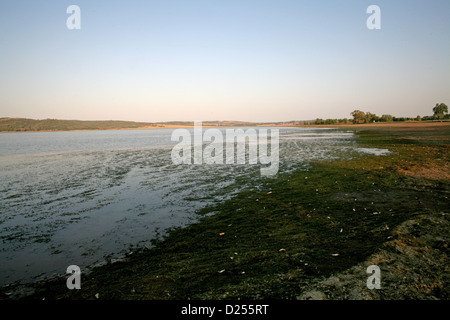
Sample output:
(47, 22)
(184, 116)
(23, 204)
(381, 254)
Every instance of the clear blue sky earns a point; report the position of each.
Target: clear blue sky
(255, 60)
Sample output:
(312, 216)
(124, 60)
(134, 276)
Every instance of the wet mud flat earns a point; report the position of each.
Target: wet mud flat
(90, 198)
(310, 233)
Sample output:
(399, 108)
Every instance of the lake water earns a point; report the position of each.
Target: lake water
(85, 197)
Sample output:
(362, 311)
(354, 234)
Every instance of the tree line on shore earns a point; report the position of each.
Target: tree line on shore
(440, 112)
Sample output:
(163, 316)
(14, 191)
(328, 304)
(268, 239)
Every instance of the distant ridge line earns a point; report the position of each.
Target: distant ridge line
(10, 124)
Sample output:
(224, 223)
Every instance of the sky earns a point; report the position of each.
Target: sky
(248, 60)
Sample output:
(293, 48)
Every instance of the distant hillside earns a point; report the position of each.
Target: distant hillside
(24, 125)
(20, 124)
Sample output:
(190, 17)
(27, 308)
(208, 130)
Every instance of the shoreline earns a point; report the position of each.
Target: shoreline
(109, 129)
(285, 239)
(387, 125)
(287, 125)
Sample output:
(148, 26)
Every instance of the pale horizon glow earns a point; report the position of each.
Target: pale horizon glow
(244, 60)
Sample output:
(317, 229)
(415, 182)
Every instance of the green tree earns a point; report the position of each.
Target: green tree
(358, 116)
(369, 117)
(387, 118)
(440, 110)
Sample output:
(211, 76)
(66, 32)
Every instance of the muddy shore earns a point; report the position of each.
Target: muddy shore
(305, 235)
